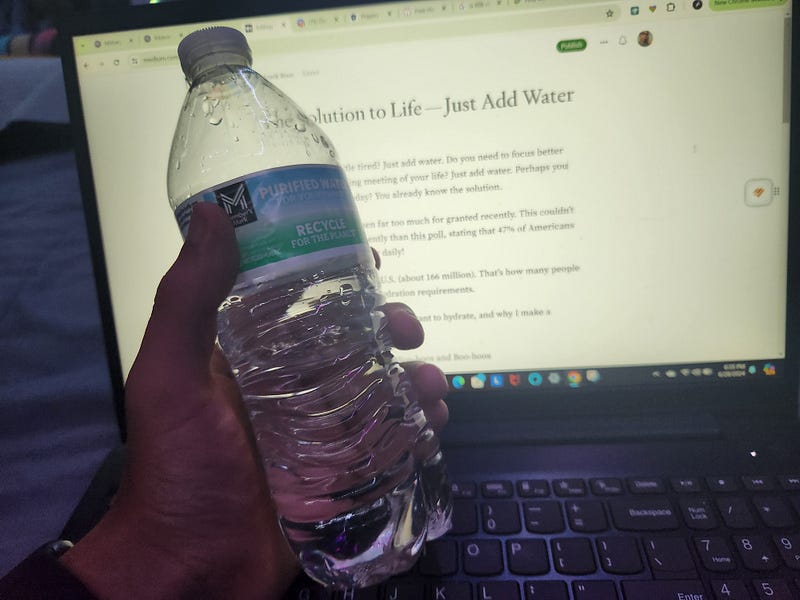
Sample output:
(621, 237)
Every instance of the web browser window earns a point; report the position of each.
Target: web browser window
(551, 185)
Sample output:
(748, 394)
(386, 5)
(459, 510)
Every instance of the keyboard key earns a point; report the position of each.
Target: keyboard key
(645, 485)
(663, 590)
(735, 513)
(722, 484)
(543, 516)
(527, 556)
(586, 516)
(497, 489)
(500, 517)
(402, 590)
(594, 590)
(567, 488)
(715, 554)
(439, 558)
(619, 555)
(533, 488)
(482, 557)
(573, 556)
(790, 483)
(464, 490)
(730, 590)
(789, 548)
(756, 552)
(773, 511)
(670, 558)
(772, 589)
(303, 588)
(465, 518)
(686, 485)
(450, 590)
(698, 513)
(370, 593)
(758, 484)
(498, 590)
(606, 486)
(643, 514)
(546, 590)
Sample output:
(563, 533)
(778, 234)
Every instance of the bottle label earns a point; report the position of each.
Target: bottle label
(286, 218)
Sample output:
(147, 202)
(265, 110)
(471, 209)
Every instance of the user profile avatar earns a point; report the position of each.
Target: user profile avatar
(645, 38)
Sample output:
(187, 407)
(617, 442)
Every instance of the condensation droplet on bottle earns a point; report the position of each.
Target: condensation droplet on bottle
(214, 120)
(236, 138)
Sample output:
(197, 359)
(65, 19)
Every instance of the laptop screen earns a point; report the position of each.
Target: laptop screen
(568, 194)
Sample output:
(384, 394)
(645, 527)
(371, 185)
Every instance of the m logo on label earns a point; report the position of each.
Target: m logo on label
(235, 199)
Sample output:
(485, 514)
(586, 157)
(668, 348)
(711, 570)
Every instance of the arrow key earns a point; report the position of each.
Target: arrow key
(756, 552)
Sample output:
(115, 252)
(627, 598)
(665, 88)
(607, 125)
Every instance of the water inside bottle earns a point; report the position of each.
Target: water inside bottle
(351, 461)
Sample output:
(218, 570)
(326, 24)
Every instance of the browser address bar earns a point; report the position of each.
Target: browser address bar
(330, 36)
(154, 58)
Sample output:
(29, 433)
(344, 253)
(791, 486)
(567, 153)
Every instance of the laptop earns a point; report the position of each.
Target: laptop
(590, 206)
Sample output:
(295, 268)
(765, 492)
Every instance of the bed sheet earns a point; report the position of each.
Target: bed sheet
(57, 421)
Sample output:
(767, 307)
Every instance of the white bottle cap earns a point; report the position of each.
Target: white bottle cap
(212, 45)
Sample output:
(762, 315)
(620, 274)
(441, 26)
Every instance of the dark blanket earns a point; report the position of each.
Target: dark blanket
(56, 415)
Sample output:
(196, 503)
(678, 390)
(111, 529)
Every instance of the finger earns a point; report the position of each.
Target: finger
(179, 338)
(431, 387)
(404, 328)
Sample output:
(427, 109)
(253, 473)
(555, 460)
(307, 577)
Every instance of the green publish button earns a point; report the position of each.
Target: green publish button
(571, 45)
(741, 4)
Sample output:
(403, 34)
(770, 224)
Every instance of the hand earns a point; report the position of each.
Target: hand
(193, 515)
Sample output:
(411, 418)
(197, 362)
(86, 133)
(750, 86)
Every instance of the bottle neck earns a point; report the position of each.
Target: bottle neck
(208, 64)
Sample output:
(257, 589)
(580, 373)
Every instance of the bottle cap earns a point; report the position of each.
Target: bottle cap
(215, 43)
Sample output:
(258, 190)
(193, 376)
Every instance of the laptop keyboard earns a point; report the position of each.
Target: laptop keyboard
(637, 538)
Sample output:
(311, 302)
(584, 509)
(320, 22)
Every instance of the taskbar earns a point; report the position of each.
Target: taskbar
(615, 376)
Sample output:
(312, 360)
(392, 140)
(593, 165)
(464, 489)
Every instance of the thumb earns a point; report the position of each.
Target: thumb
(179, 339)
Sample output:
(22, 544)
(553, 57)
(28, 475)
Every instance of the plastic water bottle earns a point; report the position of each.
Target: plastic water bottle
(355, 470)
